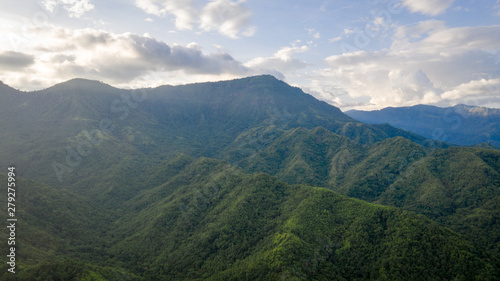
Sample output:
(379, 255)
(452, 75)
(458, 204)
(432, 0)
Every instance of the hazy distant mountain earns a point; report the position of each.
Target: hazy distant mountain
(168, 184)
(460, 124)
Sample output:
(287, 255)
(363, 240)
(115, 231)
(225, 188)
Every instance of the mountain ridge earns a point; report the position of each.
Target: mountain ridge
(162, 119)
(240, 180)
(459, 124)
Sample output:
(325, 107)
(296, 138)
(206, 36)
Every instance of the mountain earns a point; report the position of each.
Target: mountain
(446, 185)
(460, 124)
(212, 221)
(223, 224)
(240, 180)
(85, 134)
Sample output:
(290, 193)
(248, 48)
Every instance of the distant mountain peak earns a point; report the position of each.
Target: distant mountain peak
(259, 79)
(84, 82)
(81, 83)
(263, 78)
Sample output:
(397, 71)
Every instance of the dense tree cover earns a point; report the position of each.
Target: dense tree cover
(457, 187)
(114, 130)
(57, 233)
(54, 221)
(66, 270)
(212, 221)
(137, 198)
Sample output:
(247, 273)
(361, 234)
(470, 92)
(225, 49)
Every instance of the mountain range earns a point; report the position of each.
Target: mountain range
(248, 179)
(460, 124)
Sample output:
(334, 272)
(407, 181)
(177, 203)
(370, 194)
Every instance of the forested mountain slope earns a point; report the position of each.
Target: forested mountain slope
(81, 131)
(212, 221)
(458, 187)
(240, 180)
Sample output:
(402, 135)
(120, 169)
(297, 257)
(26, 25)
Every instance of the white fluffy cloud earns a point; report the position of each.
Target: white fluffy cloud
(476, 92)
(428, 7)
(230, 18)
(183, 11)
(119, 59)
(279, 63)
(75, 8)
(427, 63)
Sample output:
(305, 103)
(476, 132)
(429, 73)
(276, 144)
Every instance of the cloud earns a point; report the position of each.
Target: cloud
(229, 18)
(428, 7)
(183, 11)
(335, 39)
(75, 8)
(452, 41)
(349, 31)
(419, 30)
(412, 87)
(314, 33)
(60, 59)
(426, 63)
(11, 60)
(496, 7)
(119, 59)
(140, 54)
(280, 62)
(483, 88)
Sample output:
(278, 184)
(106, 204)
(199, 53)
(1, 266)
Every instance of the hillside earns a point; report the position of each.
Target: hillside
(211, 221)
(59, 235)
(215, 222)
(239, 180)
(460, 124)
(457, 187)
(82, 133)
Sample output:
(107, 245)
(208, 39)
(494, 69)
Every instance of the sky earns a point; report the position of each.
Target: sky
(352, 54)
